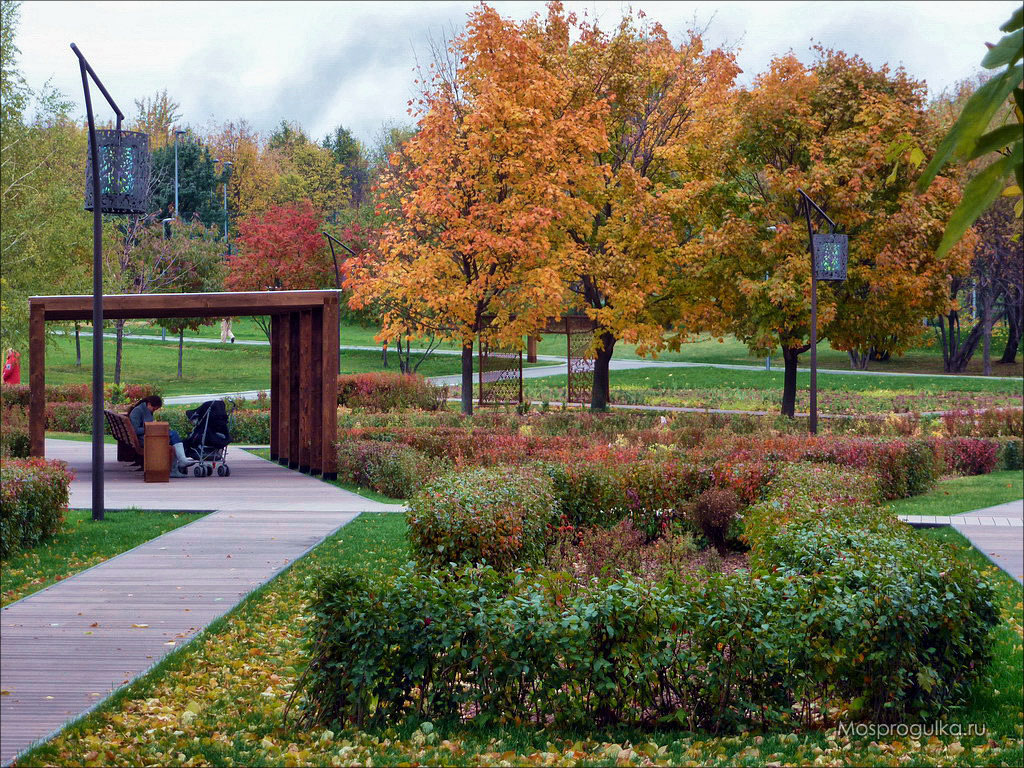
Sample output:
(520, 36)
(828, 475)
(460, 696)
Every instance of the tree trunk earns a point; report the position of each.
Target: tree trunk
(181, 347)
(986, 330)
(467, 379)
(78, 347)
(600, 393)
(119, 326)
(384, 354)
(790, 356)
(1013, 338)
(858, 360)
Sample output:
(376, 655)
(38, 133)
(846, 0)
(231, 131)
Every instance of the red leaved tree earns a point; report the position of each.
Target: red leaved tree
(282, 249)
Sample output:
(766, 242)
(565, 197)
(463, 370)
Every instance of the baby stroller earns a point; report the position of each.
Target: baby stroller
(211, 435)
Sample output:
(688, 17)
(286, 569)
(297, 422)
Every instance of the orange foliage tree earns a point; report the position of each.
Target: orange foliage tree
(849, 135)
(473, 224)
(665, 107)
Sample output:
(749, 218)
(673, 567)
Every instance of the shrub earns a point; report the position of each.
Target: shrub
(14, 439)
(588, 493)
(1012, 455)
(386, 392)
(33, 501)
(969, 456)
(394, 470)
(498, 516)
(594, 552)
(713, 511)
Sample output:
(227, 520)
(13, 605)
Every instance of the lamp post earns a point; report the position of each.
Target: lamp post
(125, 188)
(227, 175)
(177, 133)
(331, 240)
(828, 262)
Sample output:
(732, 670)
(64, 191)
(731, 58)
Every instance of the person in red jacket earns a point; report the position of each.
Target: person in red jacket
(12, 368)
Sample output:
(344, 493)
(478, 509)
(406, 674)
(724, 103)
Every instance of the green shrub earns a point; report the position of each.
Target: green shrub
(588, 493)
(1012, 454)
(846, 612)
(33, 501)
(394, 470)
(498, 516)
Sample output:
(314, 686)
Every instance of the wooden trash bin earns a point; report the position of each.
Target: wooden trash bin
(156, 451)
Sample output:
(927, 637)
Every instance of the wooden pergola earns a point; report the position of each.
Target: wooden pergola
(303, 360)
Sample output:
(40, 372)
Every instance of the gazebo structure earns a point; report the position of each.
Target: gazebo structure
(303, 354)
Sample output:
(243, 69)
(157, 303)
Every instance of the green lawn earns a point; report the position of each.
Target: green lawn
(81, 544)
(207, 367)
(79, 437)
(235, 677)
(761, 391)
(926, 358)
(964, 494)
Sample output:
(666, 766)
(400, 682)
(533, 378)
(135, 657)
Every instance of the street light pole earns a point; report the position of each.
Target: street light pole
(331, 240)
(177, 133)
(227, 175)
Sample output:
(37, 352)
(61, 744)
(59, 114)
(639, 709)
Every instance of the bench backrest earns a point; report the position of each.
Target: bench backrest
(122, 430)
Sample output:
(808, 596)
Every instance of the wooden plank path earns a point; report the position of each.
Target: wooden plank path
(65, 649)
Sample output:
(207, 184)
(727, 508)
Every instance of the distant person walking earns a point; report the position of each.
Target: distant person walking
(12, 368)
(225, 331)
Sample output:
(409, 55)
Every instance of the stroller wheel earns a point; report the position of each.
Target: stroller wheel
(199, 471)
(223, 471)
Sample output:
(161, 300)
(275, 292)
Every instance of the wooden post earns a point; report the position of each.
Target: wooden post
(275, 384)
(531, 349)
(294, 391)
(316, 377)
(284, 382)
(329, 392)
(37, 379)
(306, 403)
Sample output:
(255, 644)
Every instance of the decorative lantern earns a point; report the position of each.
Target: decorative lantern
(831, 253)
(124, 172)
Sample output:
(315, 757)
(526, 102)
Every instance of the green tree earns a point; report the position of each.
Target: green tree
(197, 182)
(350, 154)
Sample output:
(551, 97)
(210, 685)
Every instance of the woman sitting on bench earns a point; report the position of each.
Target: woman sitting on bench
(142, 413)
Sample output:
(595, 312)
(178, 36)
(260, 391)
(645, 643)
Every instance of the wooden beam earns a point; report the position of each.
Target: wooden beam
(37, 380)
(316, 367)
(284, 385)
(307, 405)
(154, 305)
(294, 392)
(329, 390)
(275, 384)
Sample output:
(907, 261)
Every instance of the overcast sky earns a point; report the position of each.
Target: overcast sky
(325, 63)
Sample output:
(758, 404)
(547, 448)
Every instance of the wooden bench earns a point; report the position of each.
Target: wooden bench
(130, 448)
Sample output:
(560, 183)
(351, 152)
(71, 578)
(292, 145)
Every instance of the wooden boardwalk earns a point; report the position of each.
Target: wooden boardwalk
(66, 648)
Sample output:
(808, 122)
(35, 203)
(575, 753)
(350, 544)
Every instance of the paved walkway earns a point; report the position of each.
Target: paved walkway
(997, 532)
(66, 648)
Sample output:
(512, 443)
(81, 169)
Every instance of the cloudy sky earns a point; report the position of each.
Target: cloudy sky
(325, 63)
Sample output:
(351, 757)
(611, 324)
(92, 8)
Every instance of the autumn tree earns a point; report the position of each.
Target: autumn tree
(254, 173)
(45, 235)
(156, 116)
(828, 129)
(663, 107)
(350, 154)
(475, 222)
(281, 249)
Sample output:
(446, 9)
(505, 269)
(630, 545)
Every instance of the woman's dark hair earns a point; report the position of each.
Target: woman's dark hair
(155, 400)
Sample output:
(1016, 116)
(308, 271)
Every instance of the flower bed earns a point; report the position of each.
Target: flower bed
(845, 614)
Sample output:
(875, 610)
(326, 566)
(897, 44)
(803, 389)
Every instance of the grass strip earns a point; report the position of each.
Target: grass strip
(964, 494)
(220, 701)
(80, 544)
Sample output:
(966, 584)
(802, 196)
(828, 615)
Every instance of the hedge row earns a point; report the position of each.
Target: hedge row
(20, 394)
(389, 392)
(846, 614)
(33, 501)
